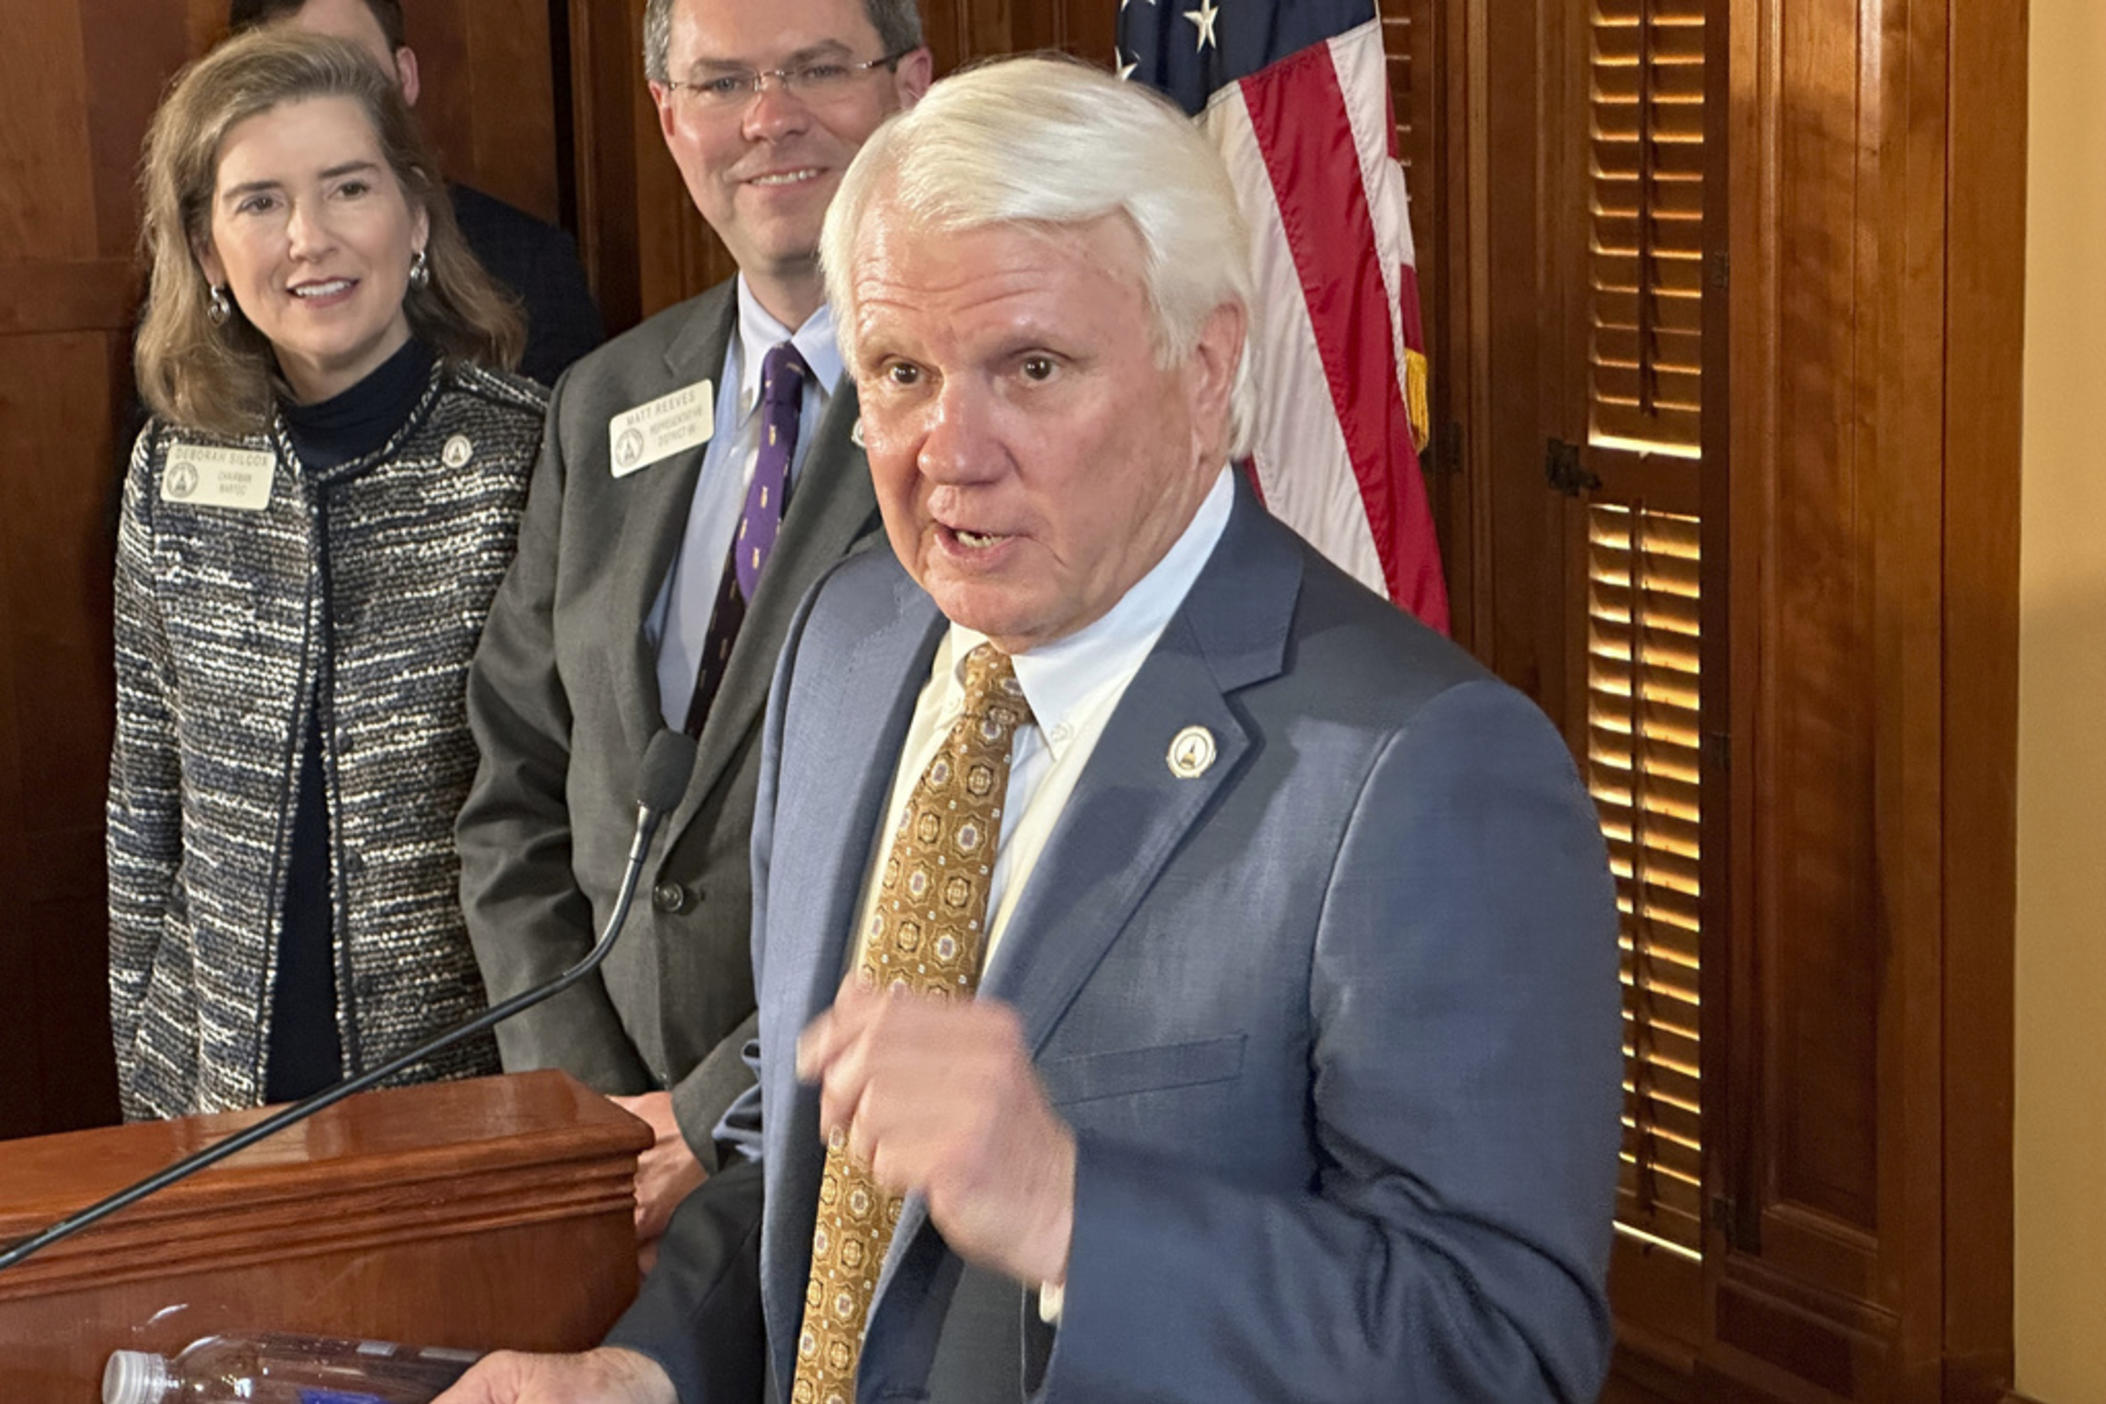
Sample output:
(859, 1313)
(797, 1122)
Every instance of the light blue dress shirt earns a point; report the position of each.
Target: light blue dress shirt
(679, 619)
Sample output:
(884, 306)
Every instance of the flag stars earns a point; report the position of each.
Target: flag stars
(1203, 20)
(1125, 68)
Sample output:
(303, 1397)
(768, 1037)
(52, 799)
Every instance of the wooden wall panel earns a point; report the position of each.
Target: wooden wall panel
(1984, 344)
(1818, 689)
(44, 295)
(1813, 1017)
(608, 151)
(1519, 528)
(1849, 1262)
(121, 97)
(66, 224)
(51, 387)
(1843, 569)
(961, 30)
(46, 166)
(489, 95)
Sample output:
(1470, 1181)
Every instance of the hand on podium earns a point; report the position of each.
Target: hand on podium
(608, 1375)
(665, 1174)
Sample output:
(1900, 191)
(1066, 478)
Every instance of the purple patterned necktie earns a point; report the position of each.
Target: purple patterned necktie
(783, 374)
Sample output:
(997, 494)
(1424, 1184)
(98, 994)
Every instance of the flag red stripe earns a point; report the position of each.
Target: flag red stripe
(1297, 111)
(1408, 296)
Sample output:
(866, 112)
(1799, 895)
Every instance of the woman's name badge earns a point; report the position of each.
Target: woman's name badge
(201, 475)
(668, 425)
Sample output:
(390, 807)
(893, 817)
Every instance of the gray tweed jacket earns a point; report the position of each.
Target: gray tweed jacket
(374, 576)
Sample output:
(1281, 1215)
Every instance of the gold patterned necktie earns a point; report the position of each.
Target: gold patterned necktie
(925, 935)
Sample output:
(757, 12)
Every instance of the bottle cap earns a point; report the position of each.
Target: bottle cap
(135, 1377)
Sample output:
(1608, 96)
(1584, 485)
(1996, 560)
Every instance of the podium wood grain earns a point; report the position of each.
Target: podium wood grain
(480, 1214)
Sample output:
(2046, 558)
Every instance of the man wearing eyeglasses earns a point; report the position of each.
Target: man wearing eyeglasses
(698, 473)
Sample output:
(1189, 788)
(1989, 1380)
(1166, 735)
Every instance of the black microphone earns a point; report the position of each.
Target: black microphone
(661, 781)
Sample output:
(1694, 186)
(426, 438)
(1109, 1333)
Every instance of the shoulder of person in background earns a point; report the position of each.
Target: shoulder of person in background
(538, 262)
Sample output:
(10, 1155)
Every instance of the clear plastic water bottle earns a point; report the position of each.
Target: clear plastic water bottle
(278, 1368)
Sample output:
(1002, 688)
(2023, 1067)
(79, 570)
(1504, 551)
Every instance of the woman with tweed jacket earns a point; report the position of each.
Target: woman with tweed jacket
(315, 521)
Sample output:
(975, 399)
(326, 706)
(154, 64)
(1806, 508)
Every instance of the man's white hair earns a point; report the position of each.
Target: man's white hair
(1047, 142)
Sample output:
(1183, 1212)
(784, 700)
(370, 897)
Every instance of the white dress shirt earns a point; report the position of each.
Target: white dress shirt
(1073, 685)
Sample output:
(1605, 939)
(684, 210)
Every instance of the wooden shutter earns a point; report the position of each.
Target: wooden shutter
(1647, 204)
(1642, 558)
(1644, 633)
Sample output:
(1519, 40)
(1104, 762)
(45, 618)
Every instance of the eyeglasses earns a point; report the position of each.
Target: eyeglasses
(820, 81)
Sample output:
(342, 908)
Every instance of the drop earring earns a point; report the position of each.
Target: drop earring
(218, 306)
(420, 271)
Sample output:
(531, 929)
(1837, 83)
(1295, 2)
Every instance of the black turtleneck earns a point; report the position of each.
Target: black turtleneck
(305, 1053)
(362, 419)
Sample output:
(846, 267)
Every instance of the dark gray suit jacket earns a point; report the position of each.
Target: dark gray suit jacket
(563, 699)
(1335, 1023)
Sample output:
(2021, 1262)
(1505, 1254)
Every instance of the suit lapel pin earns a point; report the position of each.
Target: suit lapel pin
(457, 452)
(1192, 753)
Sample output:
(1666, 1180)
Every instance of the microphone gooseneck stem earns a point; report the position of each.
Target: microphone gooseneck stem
(647, 824)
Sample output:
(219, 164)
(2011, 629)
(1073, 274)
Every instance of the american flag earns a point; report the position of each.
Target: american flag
(1293, 94)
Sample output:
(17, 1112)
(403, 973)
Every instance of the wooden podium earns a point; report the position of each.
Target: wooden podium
(482, 1214)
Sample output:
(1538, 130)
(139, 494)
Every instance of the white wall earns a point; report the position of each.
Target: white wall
(2061, 996)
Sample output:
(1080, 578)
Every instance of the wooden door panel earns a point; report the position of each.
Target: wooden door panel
(39, 296)
(1814, 834)
(489, 96)
(122, 92)
(69, 135)
(46, 164)
(56, 393)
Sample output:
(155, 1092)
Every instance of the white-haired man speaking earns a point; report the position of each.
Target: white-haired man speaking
(1182, 977)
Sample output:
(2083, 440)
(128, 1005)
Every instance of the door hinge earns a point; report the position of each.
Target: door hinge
(1564, 470)
(1742, 1235)
(1725, 1218)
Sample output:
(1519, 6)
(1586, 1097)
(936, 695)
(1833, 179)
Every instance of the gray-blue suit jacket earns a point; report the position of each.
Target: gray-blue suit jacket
(1335, 1023)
